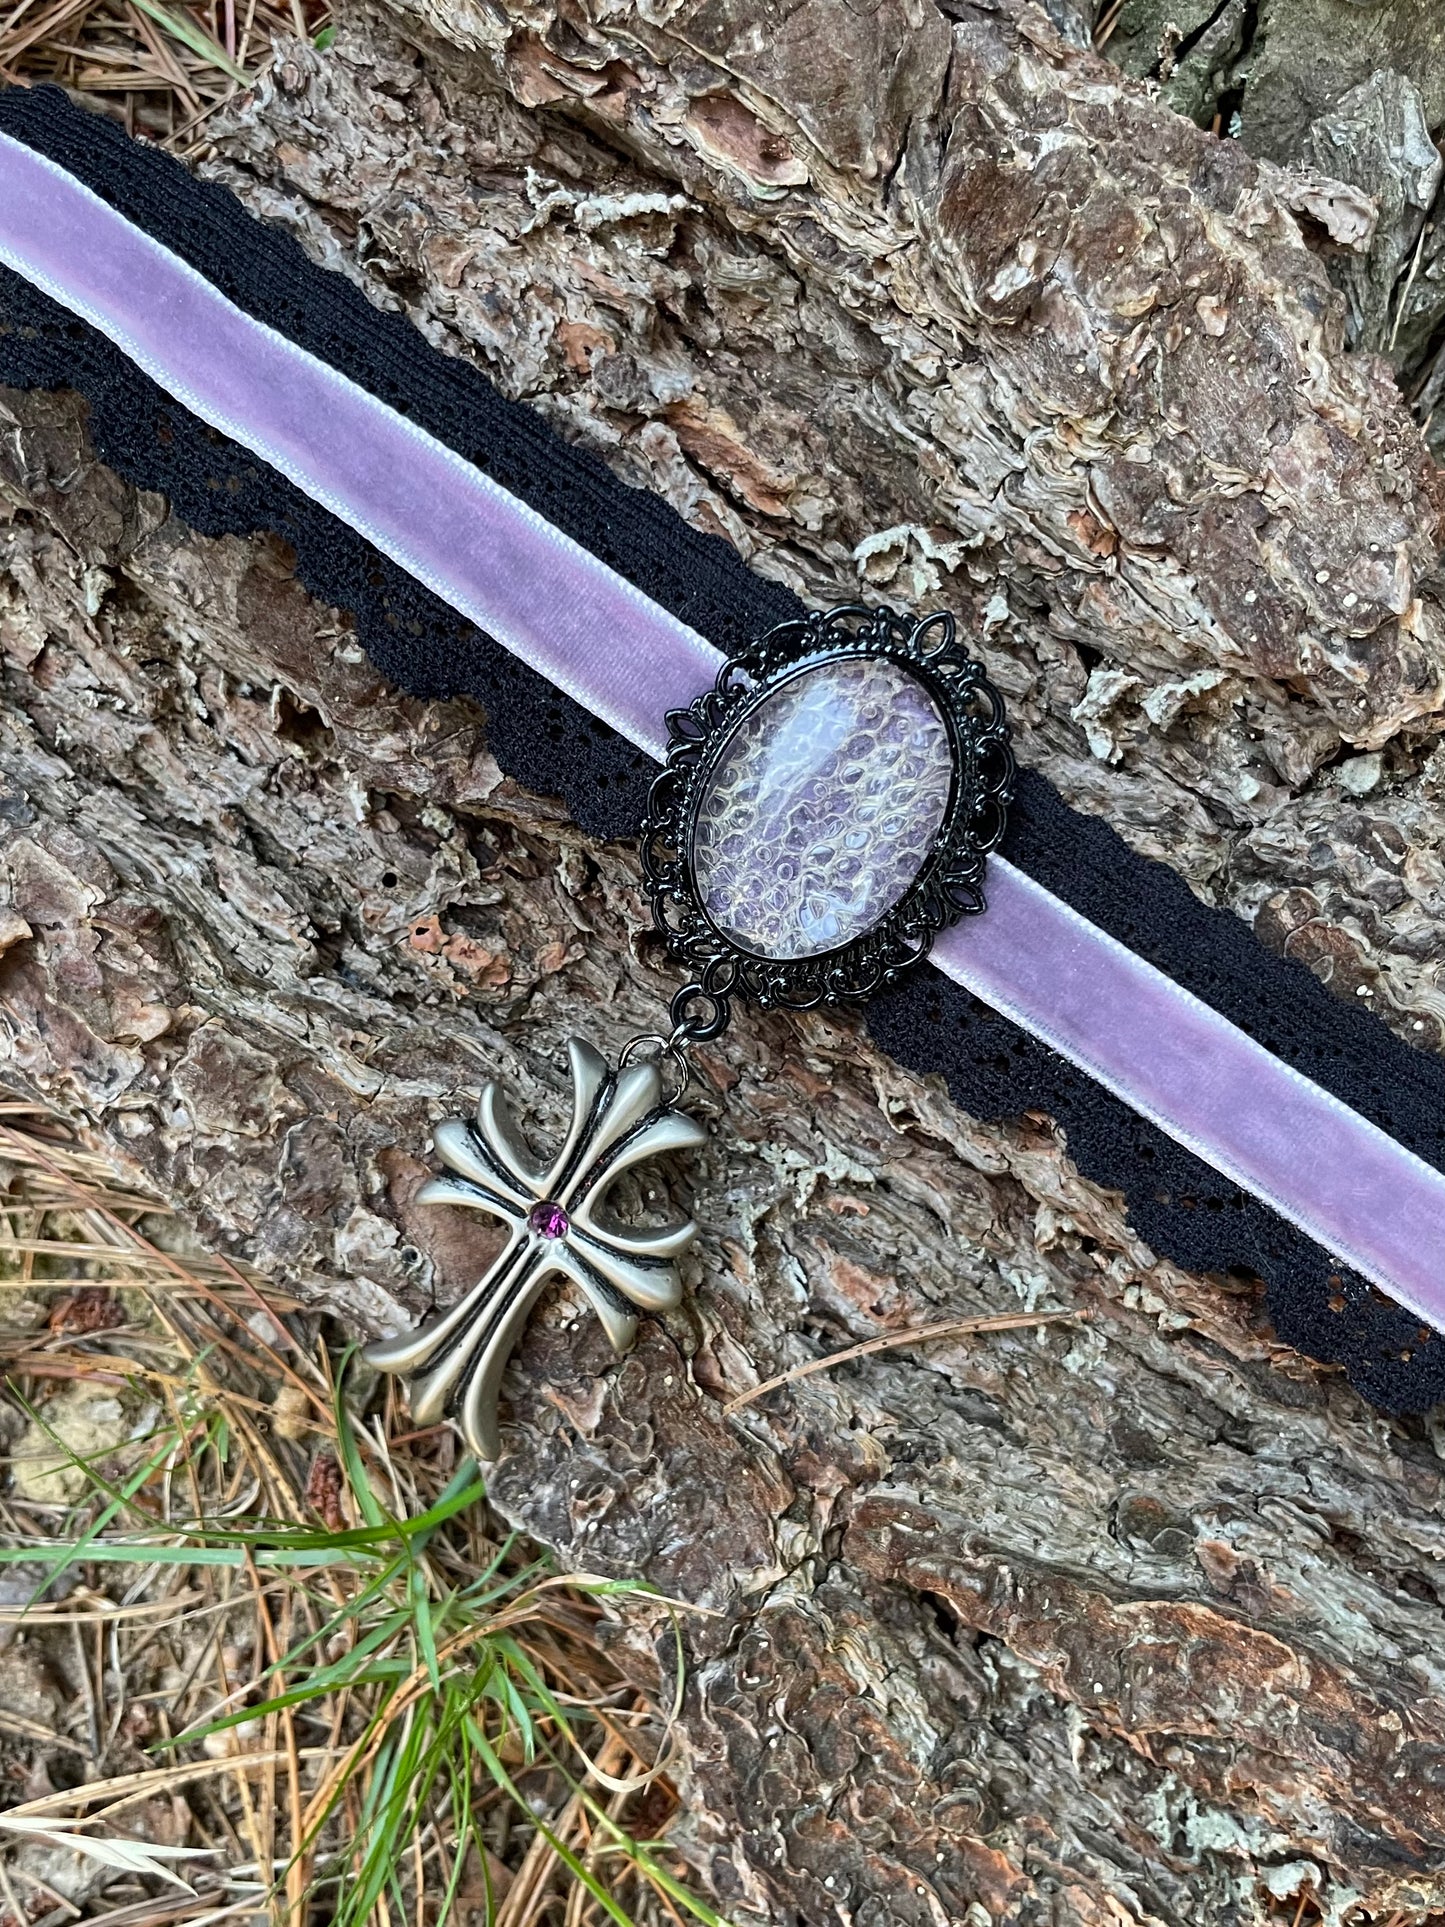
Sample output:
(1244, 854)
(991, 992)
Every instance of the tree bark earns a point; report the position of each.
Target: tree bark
(1135, 1618)
(1354, 89)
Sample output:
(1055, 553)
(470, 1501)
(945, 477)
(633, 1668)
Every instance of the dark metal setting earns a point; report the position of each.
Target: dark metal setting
(949, 883)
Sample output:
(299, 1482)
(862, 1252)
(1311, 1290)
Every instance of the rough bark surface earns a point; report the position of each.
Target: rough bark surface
(1138, 1618)
(1352, 88)
(1276, 64)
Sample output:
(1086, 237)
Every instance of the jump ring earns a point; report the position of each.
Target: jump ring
(670, 1048)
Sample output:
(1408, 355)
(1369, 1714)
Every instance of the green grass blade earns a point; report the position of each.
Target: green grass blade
(192, 35)
(422, 1621)
(350, 1452)
(118, 1502)
(580, 1873)
(466, 1487)
(113, 1552)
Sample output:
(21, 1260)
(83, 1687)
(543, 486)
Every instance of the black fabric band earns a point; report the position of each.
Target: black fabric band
(1180, 1206)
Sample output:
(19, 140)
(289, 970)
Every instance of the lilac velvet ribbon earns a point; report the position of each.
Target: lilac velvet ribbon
(1367, 1199)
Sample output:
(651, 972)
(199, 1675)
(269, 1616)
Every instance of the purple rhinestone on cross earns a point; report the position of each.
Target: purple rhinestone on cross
(548, 1220)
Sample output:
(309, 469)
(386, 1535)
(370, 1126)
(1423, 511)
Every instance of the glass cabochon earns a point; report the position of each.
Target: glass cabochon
(822, 808)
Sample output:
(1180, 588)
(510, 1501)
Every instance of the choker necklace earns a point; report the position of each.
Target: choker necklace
(834, 795)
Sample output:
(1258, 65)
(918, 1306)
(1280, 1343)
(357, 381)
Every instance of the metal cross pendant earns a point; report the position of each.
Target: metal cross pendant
(558, 1221)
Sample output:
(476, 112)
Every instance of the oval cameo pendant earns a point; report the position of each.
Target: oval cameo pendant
(826, 809)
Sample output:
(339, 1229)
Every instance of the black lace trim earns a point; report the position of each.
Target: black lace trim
(538, 735)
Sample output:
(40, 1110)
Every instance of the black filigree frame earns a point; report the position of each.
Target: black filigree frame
(949, 884)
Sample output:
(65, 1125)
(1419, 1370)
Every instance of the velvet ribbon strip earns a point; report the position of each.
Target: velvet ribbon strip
(1365, 1197)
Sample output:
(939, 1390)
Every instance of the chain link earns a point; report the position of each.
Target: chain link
(672, 1050)
(699, 1013)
